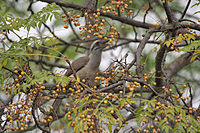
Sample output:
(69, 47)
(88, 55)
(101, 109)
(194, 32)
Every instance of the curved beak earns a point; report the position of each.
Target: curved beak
(103, 42)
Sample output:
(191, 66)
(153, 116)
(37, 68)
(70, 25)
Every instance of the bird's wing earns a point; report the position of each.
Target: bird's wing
(77, 65)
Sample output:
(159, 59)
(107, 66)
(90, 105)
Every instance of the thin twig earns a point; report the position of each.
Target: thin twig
(179, 93)
(109, 87)
(71, 24)
(144, 19)
(191, 96)
(47, 63)
(170, 15)
(142, 82)
(33, 114)
(139, 51)
(186, 8)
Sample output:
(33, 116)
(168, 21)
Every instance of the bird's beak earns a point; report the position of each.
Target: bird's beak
(103, 42)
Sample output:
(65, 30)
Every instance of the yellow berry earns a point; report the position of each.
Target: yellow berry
(63, 15)
(66, 26)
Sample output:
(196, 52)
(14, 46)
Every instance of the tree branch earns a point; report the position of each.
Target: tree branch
(65, 4)
(178, 64)
(159, 67)
(33, 114)
(139, 51)
(186, 8)
(170, 15)
(51, 64)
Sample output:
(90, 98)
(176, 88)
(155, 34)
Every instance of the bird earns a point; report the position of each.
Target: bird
(87, 67)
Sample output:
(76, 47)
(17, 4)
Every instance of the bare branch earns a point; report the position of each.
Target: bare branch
(178, 64)
(57, 36)
(129, 41)
(159, 67)
(170, 15)
(150, 7)
(65, 4)
(128, 20)
(70, 23)
(186, 8)
(179, 93)
(109, 87)
(51, 64)
(139, 51)
(191, 96)
(142, 82)
(33, 114)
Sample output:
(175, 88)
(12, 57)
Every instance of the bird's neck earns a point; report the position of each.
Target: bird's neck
(95, 60)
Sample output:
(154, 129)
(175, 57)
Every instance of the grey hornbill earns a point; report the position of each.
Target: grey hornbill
(86, 67)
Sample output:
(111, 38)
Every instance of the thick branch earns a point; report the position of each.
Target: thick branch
(159, 67)
(65, 4)
(128, 21)
(129, 41)
(178, 64)
(169, 13)
(109, 15)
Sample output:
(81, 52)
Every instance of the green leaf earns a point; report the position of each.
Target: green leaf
(78, 79)
(119, 114)
(122, 102)
(87, 98)
(40, 24)
(5, 62)
(169, 42)
(140, 110)
(148, 114)
(179, 38)
(194, 45)
(196, 12)
(139, 120)
(108, 109)
(69, 124)
(159, 112)
(78, 101)
(110, 128)
(190, 36)
(149, 109)
(51, 17)
(170, 116)
(56, 15)
(195, 55)
(14, 25)
(161, 122)
(120, 123)
(166, 128)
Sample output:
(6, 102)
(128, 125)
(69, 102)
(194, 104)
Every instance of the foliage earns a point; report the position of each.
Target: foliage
(165, 118)
(37, 94)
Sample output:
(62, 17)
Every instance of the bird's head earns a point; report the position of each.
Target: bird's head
(98, 45)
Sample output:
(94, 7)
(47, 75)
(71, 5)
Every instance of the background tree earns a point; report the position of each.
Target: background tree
(152, 79)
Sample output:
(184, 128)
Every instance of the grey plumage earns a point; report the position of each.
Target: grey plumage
(86, 67)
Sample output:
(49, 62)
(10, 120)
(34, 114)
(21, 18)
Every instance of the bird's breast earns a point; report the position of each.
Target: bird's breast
(88, 75)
